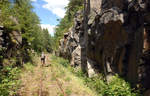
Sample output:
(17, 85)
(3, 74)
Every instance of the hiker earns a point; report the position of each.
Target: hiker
(43, 57)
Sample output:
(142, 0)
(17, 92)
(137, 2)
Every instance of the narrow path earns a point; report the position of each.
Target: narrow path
(36, 80)
(50, 80)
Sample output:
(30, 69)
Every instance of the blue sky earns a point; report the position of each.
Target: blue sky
(49, 11)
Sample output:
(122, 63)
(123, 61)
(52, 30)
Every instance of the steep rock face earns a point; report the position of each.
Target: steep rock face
(144, 68)
(113, 35)
(113, 38)
(70, 45)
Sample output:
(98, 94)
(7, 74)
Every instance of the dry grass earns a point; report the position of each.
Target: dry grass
(43, 81)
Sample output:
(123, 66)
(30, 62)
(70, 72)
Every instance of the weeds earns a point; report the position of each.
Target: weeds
(116, 87)
(68, 91)
(61, 61)
(71, 79)
(9, 80)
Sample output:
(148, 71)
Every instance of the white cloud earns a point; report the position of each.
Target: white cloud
(51, 28)
(56, 6)
(34, 0)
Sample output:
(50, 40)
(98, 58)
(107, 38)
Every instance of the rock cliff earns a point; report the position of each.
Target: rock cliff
(111, 36)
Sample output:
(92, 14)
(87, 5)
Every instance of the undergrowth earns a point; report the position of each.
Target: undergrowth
(116, 87)
(9, 82)
(10, 77)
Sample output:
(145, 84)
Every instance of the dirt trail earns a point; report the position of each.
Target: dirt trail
(36, 81)
(50, 80)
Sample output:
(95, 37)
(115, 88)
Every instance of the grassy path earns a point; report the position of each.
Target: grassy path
(51, 80)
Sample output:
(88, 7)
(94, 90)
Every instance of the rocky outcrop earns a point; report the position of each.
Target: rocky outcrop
(71, 44)
(112, 37)
(10, 44)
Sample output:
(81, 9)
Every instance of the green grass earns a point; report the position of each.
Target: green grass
(67, 75)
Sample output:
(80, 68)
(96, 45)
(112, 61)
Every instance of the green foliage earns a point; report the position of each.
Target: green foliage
(43, 40)
(61, 61)
(77, 71)
(27, 19)
(118, 87)
(73, 7)
(8, 80)
(68, 91)
(18, 15)
(96, 84)
(1, 57)
(5, 13)
(28, 66)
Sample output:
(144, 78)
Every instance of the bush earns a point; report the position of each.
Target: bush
(116, 87)
(61, 61)
(64, 62)
(8, 81)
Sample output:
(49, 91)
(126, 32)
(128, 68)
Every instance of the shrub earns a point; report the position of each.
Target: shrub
(64, 62)
(8, 81)
(61, 61)
(119, 87)
(116, 87)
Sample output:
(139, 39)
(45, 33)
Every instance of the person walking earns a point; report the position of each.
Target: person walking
(43, 57)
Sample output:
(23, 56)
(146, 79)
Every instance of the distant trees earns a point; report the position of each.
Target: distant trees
(34, 37)
(67, 21)
(43, 40)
